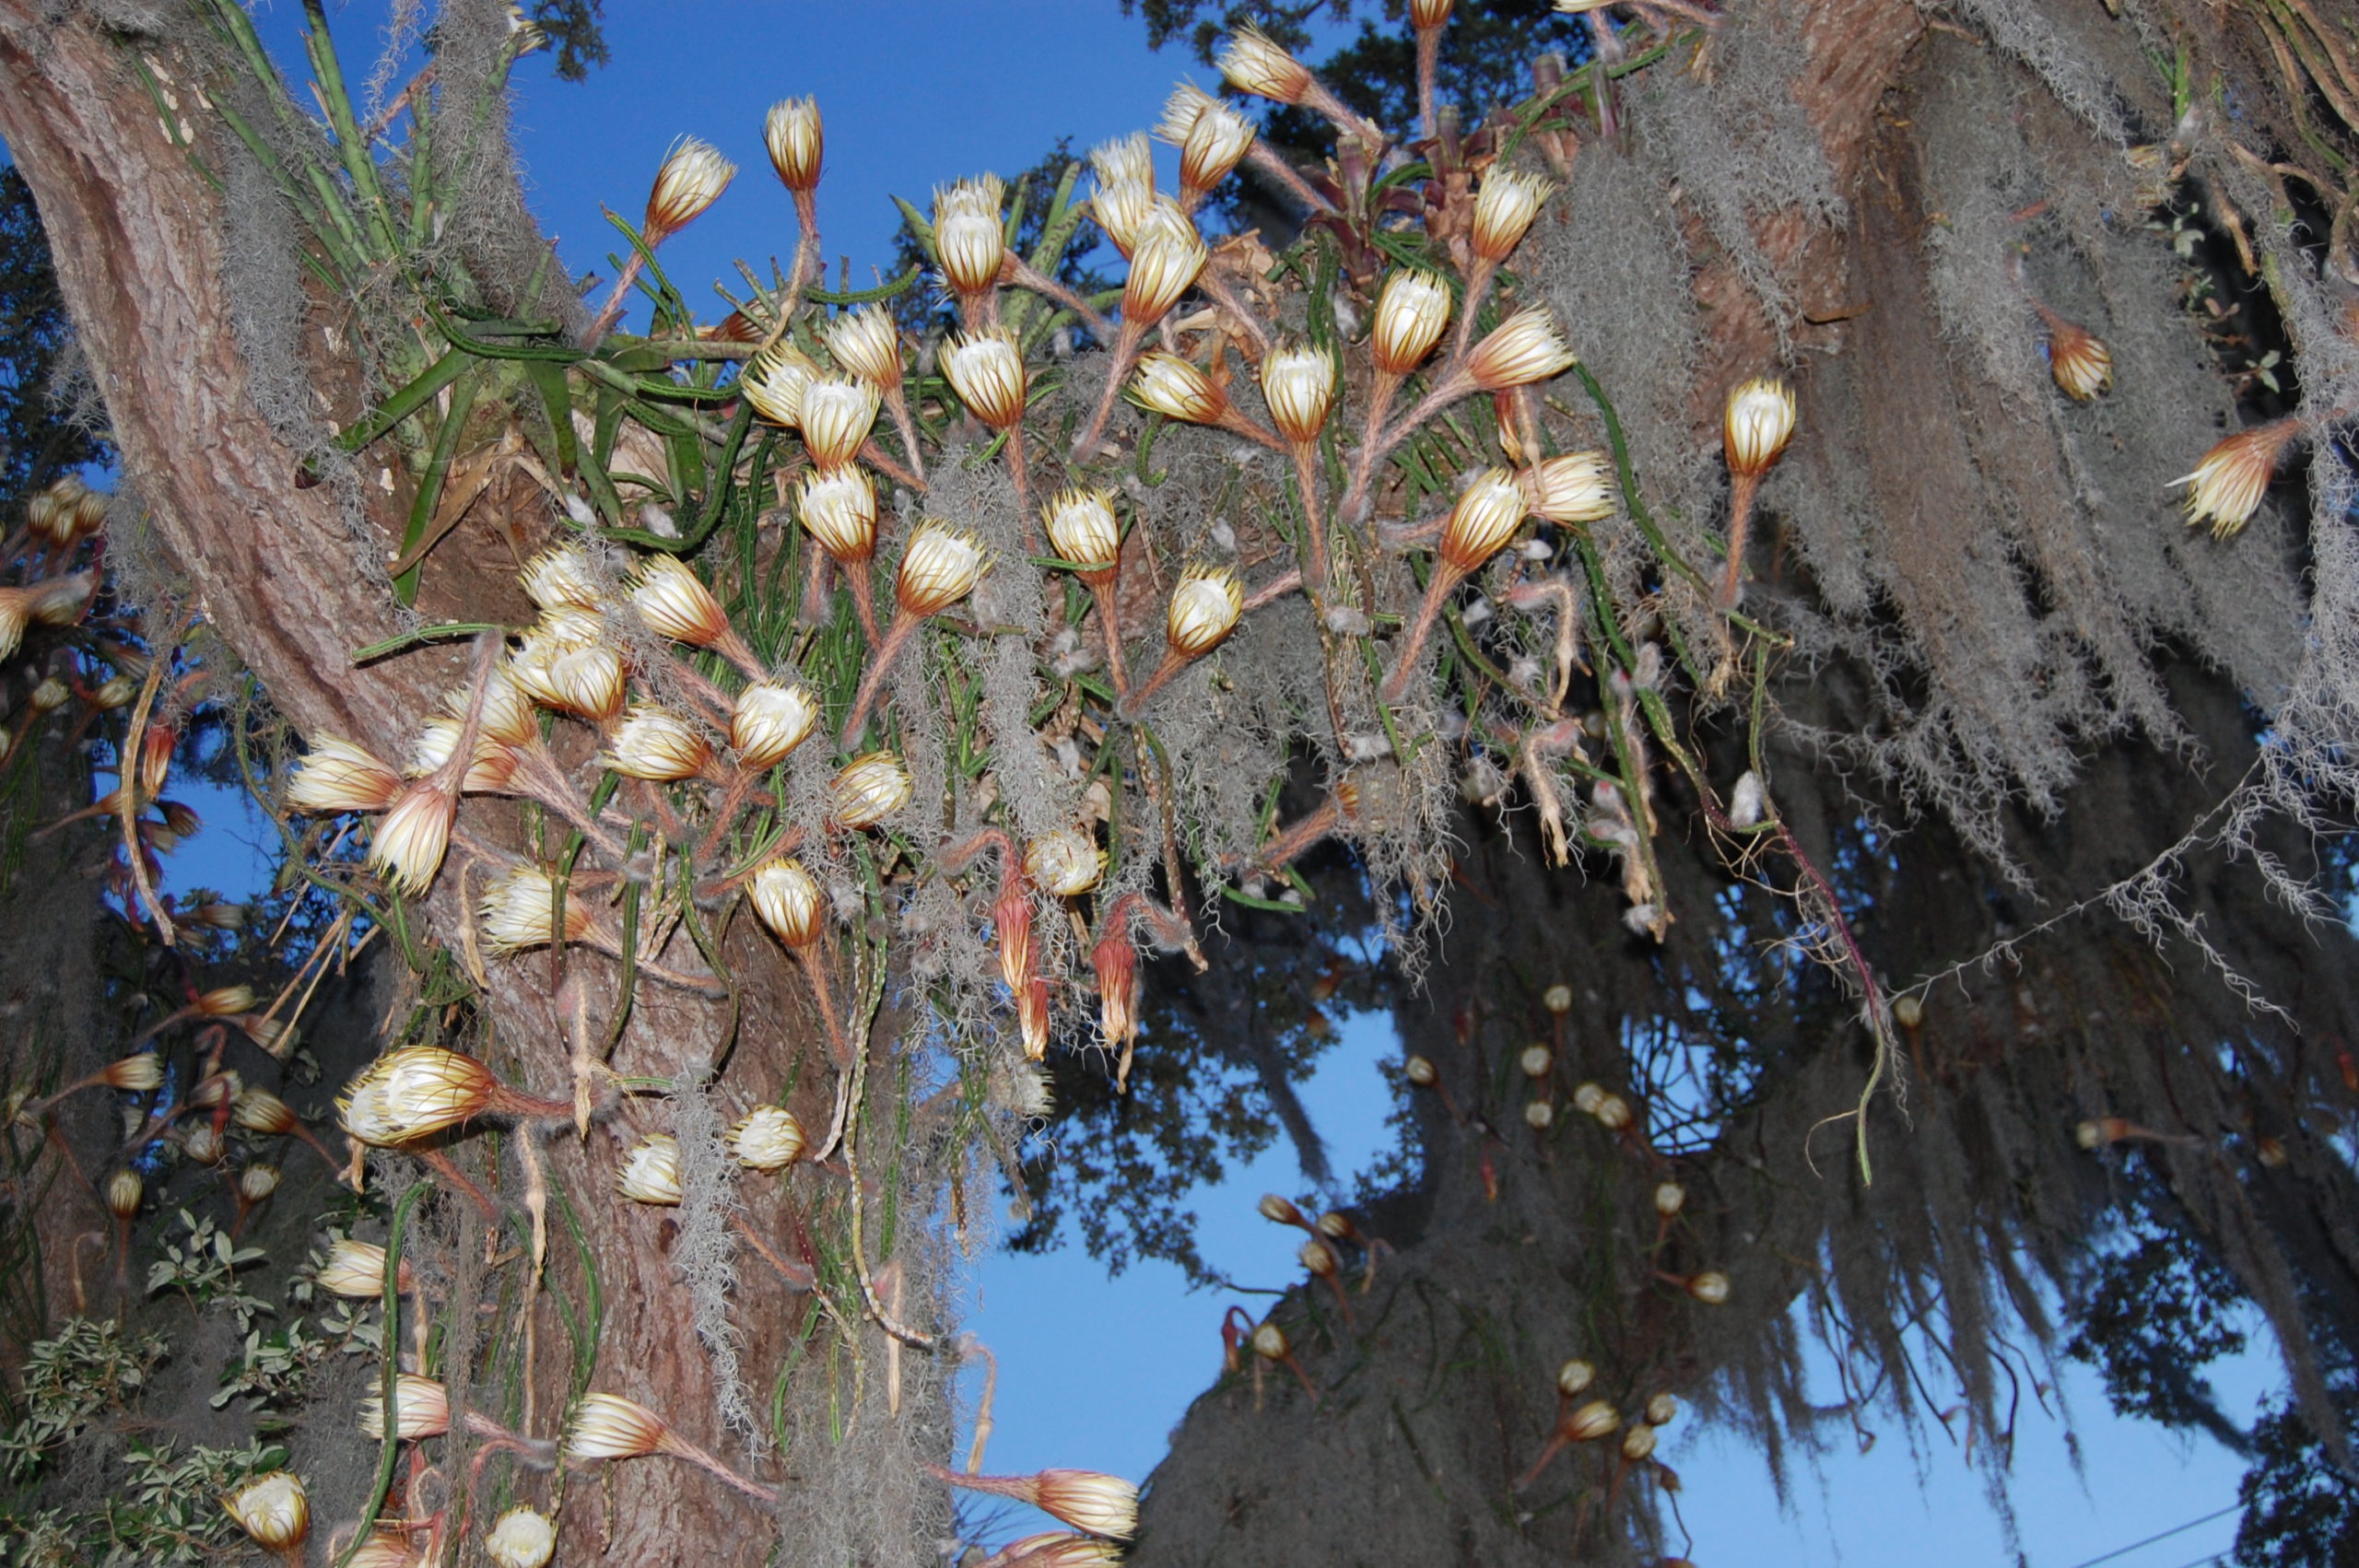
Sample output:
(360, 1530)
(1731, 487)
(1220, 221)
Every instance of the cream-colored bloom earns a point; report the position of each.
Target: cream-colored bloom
(1757, 425)
(14, 618)
(773, 382)
(1298, 383)
(412, 835)
(519, 910)
(1180, 111)
(1204, 610)
(138, 1073)
(259, 1110)
(1166, 255)
(2079, 361)
(788, 901)
(1590, 1421)
(1488, 513)
(337, 776)
(1575, 488)
(797, 139)
(562, 575)
(867, 344)
(414, 1093)
(522, 1538)
(1102, 1505)
(986, 371)
(693, 176)
(941, 567)
(1127, 159)
(50, 695)
(656, 743)
(1170, 386)
(766, 1138)
(969, 237)
(1083, 530)
(1067, 862)
(1409, 315)
(772, 719)
(1524, 348)
(1254, 62)
(839, 510)
(257, 1182)
(1121, 208)
(587, 682)
(1504, 209)
(272, 1509)
(838, 412)
(651, 1172)
(384, 1549)
(1536, 1061)
(870, 788)
(1637, 1442)
(675, 602)
(1214, 147)
(421, 1409)
(202, 1142)
(124, 1192)
(2228, 486)
(1269, 1342)
(356, 1270)
(607, 1426)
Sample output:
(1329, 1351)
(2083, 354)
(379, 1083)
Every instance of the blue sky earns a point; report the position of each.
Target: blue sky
(1095, 1372)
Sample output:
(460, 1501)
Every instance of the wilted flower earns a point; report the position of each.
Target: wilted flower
(2078, 360)
(1486, 515)
(1575, 488)
(693, 176)
(773, 382)
(867, 344)
(970, 238)
(519, 910)
(1083, 529)
(836, 415)
(1256, 63)
(562, 577)
(1409, 315)
(607, 1426)
(2226, 487)
(987, 372)
(1504, 209)
(839, 511)
(414, 1093)
(787, 900)
(1204, 610)
(1170, 386)
(772, 719)
(1166, 253)
(651, 1172)
(1524, 348)
(871, 788)
(421, 1409)
(1298, 383)
(1067, 862)
(412, 835)
(337, 776)
(657, 745)
(524, 1539)
(768, 1138)
(1116, 965)
(675, 602)
(941, 567)
(1757, 425)
(795, 138)
(272, 1509)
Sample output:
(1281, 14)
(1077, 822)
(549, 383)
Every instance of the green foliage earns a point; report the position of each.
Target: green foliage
(2301, 1511)
(203, 1267)
(2157, 1313)
(87, 1368)
(576, 31)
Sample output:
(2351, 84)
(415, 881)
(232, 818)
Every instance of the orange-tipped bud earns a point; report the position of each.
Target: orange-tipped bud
(421, 1409)
(519, 910)
(1255, 63)
(1167, 254)
(969, 237)
(1083, 530)
(1574, 1377)
(774, 381)
(1757, 425)
(607, 1426)
(986, 370)
(2226, 487)
(1575, 488)
(123, 1191)
(941, 567)
(356, 1270)
(1170, 386)
(789, 902)
(693, 176)
(1279, 1211)
(562, 577)
(656, 744)
(1504, 209)
(1411, 314)
(1525, 348)
(772, 719)
(2079, 361)
(868, 344)
(675, 602)
(1485, 517)
(1710, 1287)
(836, 415)
(337, 776)
(414, 1093)
(1204, 610)
(140, 1073)
(413, 837)
(796, 140)
(273, 1510)
(869, 788)
(839, 511)
(1587, 1423)
(259, 1110)
(1298, 383)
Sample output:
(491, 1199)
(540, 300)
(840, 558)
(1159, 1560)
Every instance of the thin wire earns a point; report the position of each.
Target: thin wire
(2174, 1530)
(2208, 1562)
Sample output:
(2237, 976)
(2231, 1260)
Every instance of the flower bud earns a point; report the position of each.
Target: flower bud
(1485, 517)
(50, 695)
(1504, 209)
(421, 1409)
(123, 1191)
(1214, 146)
(1116, 963)
(1590, 1421)
(259, 1110)
(1269, 1342)
(795, 138)
(1558, 1000)
(970, 236)
(941, 565)
(1166, 256)
(1419, 1072)
(1428, 14)
(524, 1539)
(1757, 425)
(1170, 386)
(272, 1509)
(216, 1089)
(607, 1426)
(202, 1143)
(1574, 1377)
(1102, 1505)
(383, 1549)
(257, 1182)
(1587, 1097)
(655, 744)
(774, 381)
(1710, 1287)
(1637, 1442)
(337, 776)
(1908, 1012)
(2228, 486)
(693, 176)
(90, 510)
(870, 788)
(1410, 316)
(675, 602)
(1539, 1115)
(868, 344)
(1536, 1061)
(1255, 63)
(837, 413)
(114, 692)
(356, 1270)
(562, 577)
(1337, 1226)
(1204, 610)
(2079, 361)
(1120, 208)
(60, 601)
(1613, 1113)
(413, 837)
(1083, 530)
(839, 511)
(987, 372)
(767, 1139)
(414, 1093)
(1576, 488)
(1661, 1409)
(1298, 383)
(519, 910)
(787, 900)
(1279, 1211)
(139, 1073)
(1067, 862)
(651, 1172)
(1524, 348)
(223, 1001)
(772, 720)
(1055, 1548)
